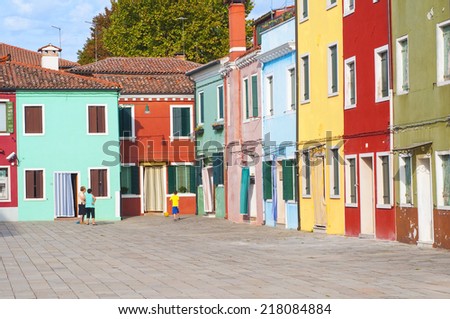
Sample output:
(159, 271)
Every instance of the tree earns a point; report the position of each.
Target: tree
(155, 28)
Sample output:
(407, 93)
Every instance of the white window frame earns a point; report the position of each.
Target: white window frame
(106, 119)
(402, 180)
(43, 119)
(378, 74)
(218, 102)
(130, 195)
(306, 194)
(269, 95)
(184, 164)
(331, 5)
(6, 117)
(245, 99)
(108, 194)
(440, 53)
(333, 167)
(289, 85)
(348, 103)
(302, 77)
(133, 122)
(302, 9)
(44, 192)
(200, 121)
(8, 185)
(379, 183)
(348, 202)
(400, 67)
(440, 180)
(330, 70)
(172, 138)
(347, 9)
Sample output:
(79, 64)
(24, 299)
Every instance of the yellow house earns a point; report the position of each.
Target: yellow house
(321, 116)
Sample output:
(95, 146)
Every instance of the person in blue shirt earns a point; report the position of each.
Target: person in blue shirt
(90, 207)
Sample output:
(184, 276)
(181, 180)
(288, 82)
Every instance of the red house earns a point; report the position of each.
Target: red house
(156, 124)
(369, 198)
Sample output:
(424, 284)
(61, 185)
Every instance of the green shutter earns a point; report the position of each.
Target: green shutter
(176, 121)
(306, 77)
(408, 179)
(245, 182)
(305, 8)
(218, 168)
(192, 181)
(386, 180)
(202, 107)
(446, 173)
(125, 122)
(334, 69)
(352, 163)
(172, 178)
(247, 111)
(255, 96)
(404, 45)
(384, 74)
(134, 179)
(220, 101)
(185, 121)
(288, 182)
(9, 117)
(293, 88)
(446, 33)
(352, 83)
(267, 180)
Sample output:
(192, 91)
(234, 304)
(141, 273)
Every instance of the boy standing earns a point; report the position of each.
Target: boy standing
(90, 208)
(175, 200)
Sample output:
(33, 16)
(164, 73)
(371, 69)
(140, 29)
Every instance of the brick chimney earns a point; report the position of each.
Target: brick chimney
(236, 21)
(50, 57)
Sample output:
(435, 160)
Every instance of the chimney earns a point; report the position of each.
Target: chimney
(236, 18)
(50, 57)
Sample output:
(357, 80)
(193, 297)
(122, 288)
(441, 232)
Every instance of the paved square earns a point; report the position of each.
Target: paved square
(196, 257)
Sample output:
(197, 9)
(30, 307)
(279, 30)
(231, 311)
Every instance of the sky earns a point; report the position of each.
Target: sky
(32, 24)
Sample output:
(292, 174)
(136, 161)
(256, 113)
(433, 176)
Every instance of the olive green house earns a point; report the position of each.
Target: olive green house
(421, 130)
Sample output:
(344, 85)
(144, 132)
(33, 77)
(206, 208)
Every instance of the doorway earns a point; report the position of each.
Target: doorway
(154, 189)
(318, 192)
(281, 216)
(367, 196)
(66, 185)
(424, 200)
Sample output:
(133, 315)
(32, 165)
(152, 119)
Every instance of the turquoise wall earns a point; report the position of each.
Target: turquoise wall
(220, 202)
(66, 147)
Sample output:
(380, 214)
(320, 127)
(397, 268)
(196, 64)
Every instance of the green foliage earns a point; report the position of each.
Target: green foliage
(153, 28)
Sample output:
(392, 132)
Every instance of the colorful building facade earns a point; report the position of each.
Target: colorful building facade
(320, 116)
(369, 196)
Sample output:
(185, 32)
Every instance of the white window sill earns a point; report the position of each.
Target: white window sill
(182, 195)
(406, 205)
(290, 111)
(131, 196)
(35, 199)
(103, 197)
(402, 92)
(335, 196)
(351, 205)
(331, 6)
(305, 102)
(381, 99)
(384, 206)
(350, 107)
(183, 138)
(443, 207)
(306, 196)
(5, 201)
(333, 94)
(128, 138)
(442, 83)
(251, 119)
(304, 19)
(348, 12)
(4, 134)
(33, 134)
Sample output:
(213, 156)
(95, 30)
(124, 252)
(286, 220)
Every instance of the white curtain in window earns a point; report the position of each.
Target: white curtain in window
(64, 193)
(154, 189)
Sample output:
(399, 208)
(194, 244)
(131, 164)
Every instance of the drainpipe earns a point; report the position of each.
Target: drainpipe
(297, 114)
(391, 79)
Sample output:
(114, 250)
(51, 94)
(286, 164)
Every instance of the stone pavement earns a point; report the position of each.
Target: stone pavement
(154, 257)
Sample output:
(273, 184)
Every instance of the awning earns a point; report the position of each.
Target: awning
(412, 146)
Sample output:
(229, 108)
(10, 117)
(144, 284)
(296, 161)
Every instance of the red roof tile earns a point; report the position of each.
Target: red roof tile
(30, 57)
(14, 75)
(137, 65)
(152, 84)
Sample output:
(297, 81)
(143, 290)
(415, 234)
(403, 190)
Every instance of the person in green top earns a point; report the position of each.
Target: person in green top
(90, 207)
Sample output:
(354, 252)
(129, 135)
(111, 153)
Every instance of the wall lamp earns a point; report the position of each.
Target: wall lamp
(147, 109)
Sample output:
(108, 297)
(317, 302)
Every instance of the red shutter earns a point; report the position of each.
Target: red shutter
(39, 181)
(29, 184)
(92, 120)
(33, 119)
(103, 182)
(101, 122)
(94, 182)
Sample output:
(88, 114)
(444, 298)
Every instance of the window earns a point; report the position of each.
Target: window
(291, 89)
(201, 107)
(129, 180)
(289, 179)
(334, 173)
(269, 81)
(405, 171)
(33, 117)
(245, 99)
(220, 102)
(381, 74)
(6, 117)
(304, 10)
(97, 119)
(182, 179)
(443, 53)
(254, 96)
(331, 4)
(181, 121)
(5, 183)
(443, 179)
(332, 70)
(384, 181)
(304, 76)
(350, 83)
(349, 7)
(306, 175)
(351, 185)
(126, 121)
(267, 180)
(34, 184)
(402, 65)
(99, 182)
(218, 168)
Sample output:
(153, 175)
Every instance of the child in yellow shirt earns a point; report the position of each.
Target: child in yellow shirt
(175, 200)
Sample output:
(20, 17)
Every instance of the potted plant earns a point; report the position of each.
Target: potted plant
(199, 130)
(217, 126)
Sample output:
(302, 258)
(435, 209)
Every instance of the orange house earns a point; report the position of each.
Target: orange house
(156, 125)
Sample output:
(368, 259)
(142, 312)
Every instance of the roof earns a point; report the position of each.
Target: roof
(137, 65)
(30, 57)
(15, 75)
(151, 84)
